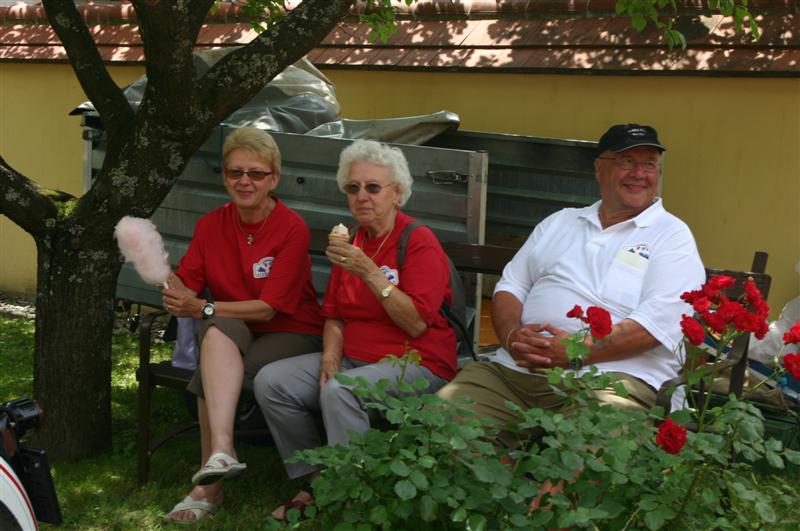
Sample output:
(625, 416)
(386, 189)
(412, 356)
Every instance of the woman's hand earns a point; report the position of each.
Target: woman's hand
(350, 258)
(329, 366)
(179, 300)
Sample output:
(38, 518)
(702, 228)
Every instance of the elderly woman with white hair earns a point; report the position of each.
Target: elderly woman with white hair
(373, 307)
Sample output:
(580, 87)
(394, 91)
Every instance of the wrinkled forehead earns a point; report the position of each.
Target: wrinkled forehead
(368, 172)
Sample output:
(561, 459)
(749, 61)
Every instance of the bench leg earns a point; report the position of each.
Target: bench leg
(143, 425)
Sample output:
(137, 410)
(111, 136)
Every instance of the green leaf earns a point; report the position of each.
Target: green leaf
(638, 22)
(399, 468)
(378, 515)
(427, 508)
(418, 479)
(405, 489)
(344, 379)
(572, 460)
(457, 443)
(656, 518)
(520, 521)
(774, 460)
(620, 389)
(765, 512)
(459, 515)
(477, 522)
(426, 461)
(792, 455)
(482, 472)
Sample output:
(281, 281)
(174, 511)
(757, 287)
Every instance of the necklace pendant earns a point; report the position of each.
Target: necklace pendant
(250, 239)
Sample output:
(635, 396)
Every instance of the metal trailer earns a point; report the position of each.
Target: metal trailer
(449, 195)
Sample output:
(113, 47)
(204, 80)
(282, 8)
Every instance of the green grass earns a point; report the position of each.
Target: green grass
(101, 493)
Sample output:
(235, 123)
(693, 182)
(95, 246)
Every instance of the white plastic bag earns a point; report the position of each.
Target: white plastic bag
(186, 355)
(765, 349)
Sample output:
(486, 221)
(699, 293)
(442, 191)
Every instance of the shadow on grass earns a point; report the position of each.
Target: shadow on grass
(102, 493)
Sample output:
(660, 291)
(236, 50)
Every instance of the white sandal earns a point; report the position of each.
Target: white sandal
(199, 508)
(219, 466)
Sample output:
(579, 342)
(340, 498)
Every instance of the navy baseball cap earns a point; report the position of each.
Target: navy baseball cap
(625, 136)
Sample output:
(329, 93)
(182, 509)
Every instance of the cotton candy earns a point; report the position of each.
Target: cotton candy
(141, 244)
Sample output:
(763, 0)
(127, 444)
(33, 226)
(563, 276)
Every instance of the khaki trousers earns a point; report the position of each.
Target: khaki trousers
(491, 385)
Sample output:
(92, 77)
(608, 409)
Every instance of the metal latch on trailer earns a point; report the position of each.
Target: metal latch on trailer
(446, 177)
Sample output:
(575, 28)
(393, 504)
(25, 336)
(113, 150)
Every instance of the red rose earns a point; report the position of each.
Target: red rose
(691, 296)
(599, 321)
(718, 282)
(763, 327)
(671, 437)
(751, 293)
(701, 304)
(745, 321)
(791, 362)
(693, 330)
(761, 308)
(793, 335)
(728, 310)
(576, 311)
(714, 322)
(713, 288)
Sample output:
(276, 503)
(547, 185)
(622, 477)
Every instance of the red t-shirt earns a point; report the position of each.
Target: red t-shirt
(369, 332)
(275, 269)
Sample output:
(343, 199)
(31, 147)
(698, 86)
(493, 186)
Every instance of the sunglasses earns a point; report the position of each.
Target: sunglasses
(255, 175)
(371, 188)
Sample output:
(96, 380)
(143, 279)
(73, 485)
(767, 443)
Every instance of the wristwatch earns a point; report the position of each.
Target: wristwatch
(386, 291)
(208, 310)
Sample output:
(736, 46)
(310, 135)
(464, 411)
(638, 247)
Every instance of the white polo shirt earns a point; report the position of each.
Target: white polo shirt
(636, 269)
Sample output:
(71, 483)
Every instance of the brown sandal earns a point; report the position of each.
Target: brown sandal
(300, 505)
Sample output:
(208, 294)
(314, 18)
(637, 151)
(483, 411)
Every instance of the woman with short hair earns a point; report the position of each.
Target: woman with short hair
(251, 255)
(372, 308)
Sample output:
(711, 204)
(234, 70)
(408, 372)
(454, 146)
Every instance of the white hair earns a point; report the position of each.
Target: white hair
(379, 154)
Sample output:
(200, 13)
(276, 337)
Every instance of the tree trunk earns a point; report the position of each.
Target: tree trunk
(72, 357)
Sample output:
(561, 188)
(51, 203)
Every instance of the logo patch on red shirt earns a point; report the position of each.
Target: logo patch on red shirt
(262, 268)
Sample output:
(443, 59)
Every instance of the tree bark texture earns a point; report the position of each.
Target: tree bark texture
(72, 353)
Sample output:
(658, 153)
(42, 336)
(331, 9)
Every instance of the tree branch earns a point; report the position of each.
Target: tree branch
(237, 76)
(28, 205)
(87, 63)
(169, 32)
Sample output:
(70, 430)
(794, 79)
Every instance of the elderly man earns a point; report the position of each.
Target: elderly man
(624, 253)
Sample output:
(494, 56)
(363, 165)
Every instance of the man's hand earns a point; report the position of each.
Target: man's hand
(538, 346)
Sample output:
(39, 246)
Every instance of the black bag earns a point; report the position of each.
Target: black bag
(456, 311)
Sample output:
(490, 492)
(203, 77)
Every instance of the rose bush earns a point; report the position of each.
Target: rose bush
(596, 466)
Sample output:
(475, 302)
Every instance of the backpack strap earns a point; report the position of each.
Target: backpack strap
(456, 321)
(403, 243)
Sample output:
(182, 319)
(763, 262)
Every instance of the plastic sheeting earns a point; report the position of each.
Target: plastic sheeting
(297, 100)
(406, 130)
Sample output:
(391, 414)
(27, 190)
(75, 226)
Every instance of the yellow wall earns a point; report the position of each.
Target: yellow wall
(733, 165)
(732, 170)
(39, 139)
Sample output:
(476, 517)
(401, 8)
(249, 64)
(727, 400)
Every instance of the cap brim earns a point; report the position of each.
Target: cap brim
(651, 144)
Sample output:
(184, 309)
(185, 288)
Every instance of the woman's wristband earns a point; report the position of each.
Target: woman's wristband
(506, 344)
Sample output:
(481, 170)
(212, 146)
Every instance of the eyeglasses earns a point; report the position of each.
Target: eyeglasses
(255, 175)
(627, 163)
(371, 188)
